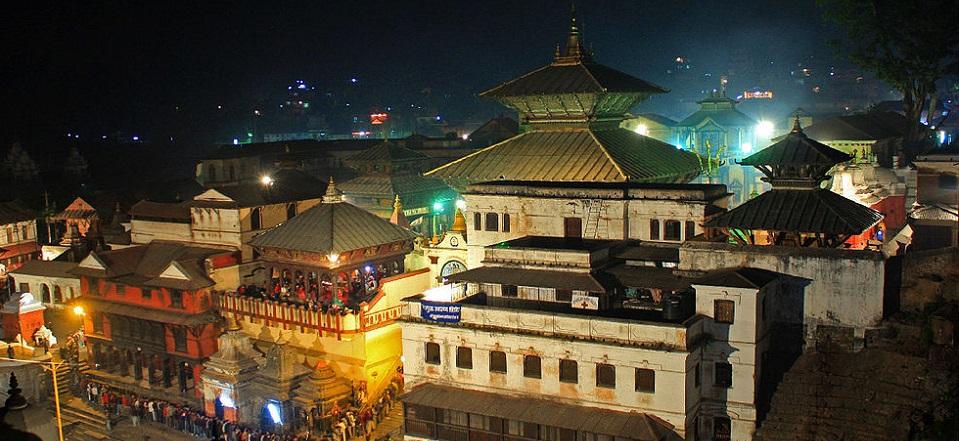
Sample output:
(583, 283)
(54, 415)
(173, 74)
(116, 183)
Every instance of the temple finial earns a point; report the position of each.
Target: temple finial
(333, 195)
(797, 127)
(574, 47)
(397, 217)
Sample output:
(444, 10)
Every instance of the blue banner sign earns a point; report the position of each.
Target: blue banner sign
(440, 312)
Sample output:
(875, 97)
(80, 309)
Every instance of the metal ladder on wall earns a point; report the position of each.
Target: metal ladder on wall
(594, 209)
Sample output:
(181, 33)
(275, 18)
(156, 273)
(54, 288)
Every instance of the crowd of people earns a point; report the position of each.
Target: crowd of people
(356, 420)
(343, 304)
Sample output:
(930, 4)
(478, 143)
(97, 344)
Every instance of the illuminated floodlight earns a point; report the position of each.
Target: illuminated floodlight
(274, 409)
(765, 129)
(465, 136)
(266, 180)
(642, 129)
(78, 310)
(461, 204)
(236, 141)
(746, 147)
(226, 400)
(437, 206)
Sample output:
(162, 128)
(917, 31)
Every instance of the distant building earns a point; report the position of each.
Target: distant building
(935, 217)
(718, 123)
(862, 135)
(18, 238)
(652, 125)
(493, 131)
(51, 281)
(149, 311)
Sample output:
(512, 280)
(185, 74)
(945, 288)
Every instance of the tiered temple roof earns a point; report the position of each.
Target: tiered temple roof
(571, 110)
(797, 205)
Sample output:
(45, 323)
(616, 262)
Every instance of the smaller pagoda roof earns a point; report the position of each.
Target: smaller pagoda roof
(389, 186)
(390, 152)
(803, 211)
(332, 226)
(78, 209)
(584, 77)
(797, 149)
(724, 117)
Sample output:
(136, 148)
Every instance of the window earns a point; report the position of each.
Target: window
(120, 289)
(232, 173)
(492, 222)
(179, 339)
(477, 221)
(564, 295)
(432, 353)
(653, 229)
(696, 377)
(568, 372)
(522, 429)
(550, 433)
(690, 230)
(485, 428)
(97, 319)
(645, 380)
(573, 227)
(211, 170)
(763, 306)
(497, 362)
(464, 357)
(291, 210)
(947, 182)
(146, 293)
(724, 374)
(605, 375)
(724, 311)
(255, 219)
(419, 420)
(176, 298)
(532, 367)
(722, 429)
(506, 222)
(510, 291)
(672, 230)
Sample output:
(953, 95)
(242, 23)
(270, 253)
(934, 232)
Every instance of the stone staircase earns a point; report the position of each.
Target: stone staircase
(392, 425)
(81, 421)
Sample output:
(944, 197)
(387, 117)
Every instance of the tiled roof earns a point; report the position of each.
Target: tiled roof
(15, 211)
(332, 227)
(289, 185)
(388, 186)
(803, 211)
(935, 212)
(143, 265)
(797, 149)
(865, 127)
(627, 425)
(78, 209)
(577, 154)
(388, 151)
(584, 77)
(54, 268)
(754, 278)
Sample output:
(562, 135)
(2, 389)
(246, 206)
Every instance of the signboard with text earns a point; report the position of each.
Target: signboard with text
(584, 302)
(440, 312)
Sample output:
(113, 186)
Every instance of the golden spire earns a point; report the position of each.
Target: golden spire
(459, 222)
(574, 45)
(797, 127)
(332, 195)
(398, 218)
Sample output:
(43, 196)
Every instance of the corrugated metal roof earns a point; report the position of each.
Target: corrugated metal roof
(804, 211)
(388, 151)
(584, 77)
(935, 212)
(332, 227)
(864, 127)
(53, 268)
(574, 154)
(144, 264)
(797, 149)
(579, 281)
(628, 425)
(723, 117)
(388, 186)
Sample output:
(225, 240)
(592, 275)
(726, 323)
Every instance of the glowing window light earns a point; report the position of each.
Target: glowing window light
(642, 129)
(225, 399)
(765, 129)
(236, 141)
(274, 409)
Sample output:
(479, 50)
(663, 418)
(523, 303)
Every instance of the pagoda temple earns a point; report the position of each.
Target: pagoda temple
(797, 211)
(571, 110)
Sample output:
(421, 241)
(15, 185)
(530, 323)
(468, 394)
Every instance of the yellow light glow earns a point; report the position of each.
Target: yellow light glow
(642, 129)
(78, 310)
(333, 257)
(266, 180)
(765, 129)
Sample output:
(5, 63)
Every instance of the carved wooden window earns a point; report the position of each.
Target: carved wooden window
(564, 295)
(497, 362)
(568, 371)
(179, 339)
(432, 353)
(510, 291)
(176, 298)
(672, 230)
(477, 221)
(492, 221)
(690, 230)
(506, 222)
(97, 319)
(654, 229)
(255, 220)
(724, 311)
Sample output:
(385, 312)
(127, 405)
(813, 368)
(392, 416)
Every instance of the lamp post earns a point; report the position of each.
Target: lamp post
(52, 368)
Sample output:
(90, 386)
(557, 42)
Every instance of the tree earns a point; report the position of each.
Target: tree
(19, 166)
(909, 44)
(75, 166)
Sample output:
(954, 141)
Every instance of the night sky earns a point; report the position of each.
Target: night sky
(99, 68)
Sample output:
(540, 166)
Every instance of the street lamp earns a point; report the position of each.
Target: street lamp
(78, 310)
(53, 366)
